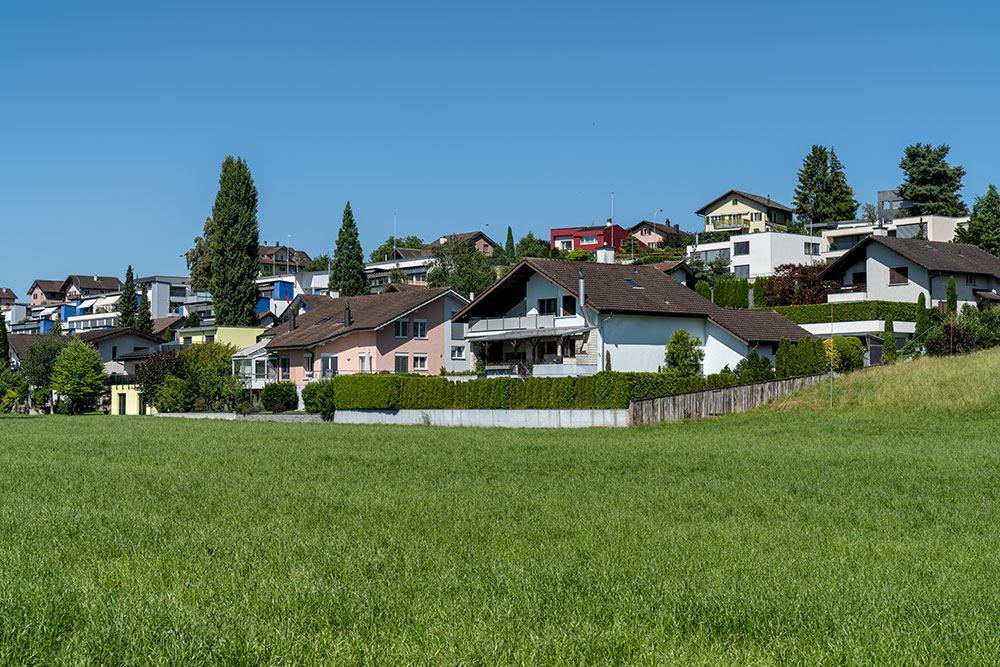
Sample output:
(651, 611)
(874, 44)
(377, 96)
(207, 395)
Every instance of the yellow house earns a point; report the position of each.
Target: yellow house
(742, 212)
(240, 337)
(125, 398)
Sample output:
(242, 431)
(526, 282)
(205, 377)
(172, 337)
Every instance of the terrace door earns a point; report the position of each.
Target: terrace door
(121, 404)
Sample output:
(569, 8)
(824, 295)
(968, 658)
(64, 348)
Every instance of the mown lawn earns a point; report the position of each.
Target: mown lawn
(767, 538)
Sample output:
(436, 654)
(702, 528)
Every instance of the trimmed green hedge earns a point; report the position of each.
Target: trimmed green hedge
(849, 312)
(606, 389)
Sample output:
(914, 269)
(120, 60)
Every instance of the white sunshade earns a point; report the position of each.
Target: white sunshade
(89, 303)
(49, 311)
(108, 300)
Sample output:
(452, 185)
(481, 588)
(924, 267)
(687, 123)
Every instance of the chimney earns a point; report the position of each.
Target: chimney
(291, 319)
(347, 313)
(581, 289)
(608, 223)
(605, 255)
(275, 244)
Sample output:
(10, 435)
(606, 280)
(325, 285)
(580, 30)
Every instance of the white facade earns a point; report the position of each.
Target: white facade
(836, 242)
(756, 255)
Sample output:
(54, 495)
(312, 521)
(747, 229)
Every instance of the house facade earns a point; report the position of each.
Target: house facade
(588, 238)
(7, 297)
(555, 318)
(753, 255)
(280, 259)
(883, 268)
(42, 292)
(847, 234)
(657, 235)
(743, 212)
(414, 263)
(403, 330)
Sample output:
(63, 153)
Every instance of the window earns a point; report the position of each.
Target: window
(209, 339)
(402, 328)
(770, 216)
(260, 369)
(420, 362)
(859, 278)
(736, 217)
(741, 248)
(329, 365)
(565, 244)
(899, 275)
(756, 217)
(716, 218)
(811, 248)
(458, 352)
(286, 365)
(547, 306)
(546, 348)
(419, 277)
(420, 328)
(307, 364)
(736, 202)
(741, 270)
(114, 351)
(569, 349)
(402, 363)
(970, 279)
(187, 340)
(588, 240)
(568, 306)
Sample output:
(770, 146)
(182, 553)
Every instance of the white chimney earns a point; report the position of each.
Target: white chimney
(605, 255)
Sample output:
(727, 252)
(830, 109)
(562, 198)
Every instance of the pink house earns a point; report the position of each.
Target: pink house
(406, 329)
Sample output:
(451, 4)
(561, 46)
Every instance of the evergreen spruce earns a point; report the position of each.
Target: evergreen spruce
(889, 342)
(347, 276)
(843, 205)
(127, 302)
(509, 247)
(235, 263)
(952, 295)
(56, 329)
(930, 182)
(810, 201)
(921, 323)
(983, 228)
(143, 320)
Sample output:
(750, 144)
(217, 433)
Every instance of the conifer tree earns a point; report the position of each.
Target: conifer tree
(143, 320)
(952, 295)
(983, 228)
(810, 201)
(704, 289)
(889, 342)
(126, 302)
(921, 320)
(4, 345)
(509, 247)
(843, 206)
(347, 276)
(235, 263)
(56, 329)
(930, 182)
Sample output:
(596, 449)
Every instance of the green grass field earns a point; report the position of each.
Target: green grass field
(791, 535)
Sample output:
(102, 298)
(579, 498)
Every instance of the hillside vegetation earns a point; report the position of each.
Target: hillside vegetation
(964, 384)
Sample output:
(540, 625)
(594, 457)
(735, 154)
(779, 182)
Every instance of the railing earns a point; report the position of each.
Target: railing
(487, 324)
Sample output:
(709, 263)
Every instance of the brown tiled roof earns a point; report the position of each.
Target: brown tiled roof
(19, 342)
(7, 293)
(265, 252)
(667, 266)
(161, 324)
(108, 283)
(97, 335)
(48, 286)
(465, 236)
(763, 201)
(631, 289)
(665, 229)
(410, 253)
(938, 256)
(325, 319)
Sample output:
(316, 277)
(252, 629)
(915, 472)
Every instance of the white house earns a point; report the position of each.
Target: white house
(883, 268)
(759, 254)
(550, 317)
(847, 234)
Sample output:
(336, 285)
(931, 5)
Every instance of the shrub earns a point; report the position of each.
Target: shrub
(199, 405)
(209, 372)
(851, 351)
(704, 289)
(13, 387)
(155, 370)
(803, 358)
(754, 368)
(684, 354)
(942, 341)
(849, 312)
(724, 378)
(172, 395)
(889, 342)
(279, 397)
(830, 355)
(318, 398)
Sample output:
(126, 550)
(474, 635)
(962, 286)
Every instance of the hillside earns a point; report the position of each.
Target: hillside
(937, 385)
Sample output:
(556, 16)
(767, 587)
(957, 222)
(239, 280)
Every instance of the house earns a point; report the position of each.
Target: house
(741, 212)
(167, 294)
(114, 342)
(483, 243)
(885, 268)
(657, 235)
(892, 206)
(171, 323)
(415, 262)
(77, 287)
(46, 291)
(238, 337)
(549, 317)
(18, 346)
(402, 330)
(279, 259)
(589, 238)
(759, 254)
(7, 297)
(848, 233)
(678, 270)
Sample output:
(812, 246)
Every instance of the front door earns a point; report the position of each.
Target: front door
(142, 405)
(121, 404)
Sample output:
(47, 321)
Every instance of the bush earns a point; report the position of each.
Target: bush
(318, 398)
(754, 368)
(155, 370)
(684, 354)
(279, 397)
(704, 289)
(851, 351)
(849, 312)
(942, 341)
(724, 378)
(172, 395)
(803, 358)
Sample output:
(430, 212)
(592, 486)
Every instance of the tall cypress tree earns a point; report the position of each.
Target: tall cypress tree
(143, 319)
(509, 247)
(348, 273)
(930, 182)
(4, 345)
(952, 295)
(888, 342)
(126, 302)
(921, 323)
(234, 246)
(843, 205)
(810, 200)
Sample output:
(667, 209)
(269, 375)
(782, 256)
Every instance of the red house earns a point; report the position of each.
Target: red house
(589, 238)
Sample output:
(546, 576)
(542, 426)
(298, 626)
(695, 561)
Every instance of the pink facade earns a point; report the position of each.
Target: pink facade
(377, 351)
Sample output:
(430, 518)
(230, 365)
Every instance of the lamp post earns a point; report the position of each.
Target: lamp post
(658, 211)
(288, 256)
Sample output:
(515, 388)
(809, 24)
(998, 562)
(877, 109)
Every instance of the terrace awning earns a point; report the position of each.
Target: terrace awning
(522, 334)
(107, 300)
(87, 305)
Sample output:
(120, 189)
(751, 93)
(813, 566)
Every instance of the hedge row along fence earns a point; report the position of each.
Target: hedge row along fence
(849, 312)
(605, 390)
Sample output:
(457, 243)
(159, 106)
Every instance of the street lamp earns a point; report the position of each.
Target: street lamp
(658, 211)
(288, 256)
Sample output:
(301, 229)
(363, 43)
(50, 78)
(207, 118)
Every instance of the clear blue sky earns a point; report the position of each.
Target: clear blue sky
(116, 117)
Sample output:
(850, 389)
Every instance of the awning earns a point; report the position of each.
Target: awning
(108, 300)
(522, 334)
(986, 296)
(88, 304)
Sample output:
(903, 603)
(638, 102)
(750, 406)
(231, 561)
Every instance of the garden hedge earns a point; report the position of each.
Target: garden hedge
(414, 392)
(849, 312)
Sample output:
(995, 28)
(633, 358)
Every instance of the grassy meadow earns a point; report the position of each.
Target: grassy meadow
(789, 535)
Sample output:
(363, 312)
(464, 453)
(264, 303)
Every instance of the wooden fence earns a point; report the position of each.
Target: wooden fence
(712, 402)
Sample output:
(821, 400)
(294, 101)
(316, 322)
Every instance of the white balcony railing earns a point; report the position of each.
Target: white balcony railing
(488, 324)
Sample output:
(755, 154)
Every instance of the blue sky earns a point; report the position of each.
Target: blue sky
(115, 118)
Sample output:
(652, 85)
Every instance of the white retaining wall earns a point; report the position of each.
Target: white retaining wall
(502, 418)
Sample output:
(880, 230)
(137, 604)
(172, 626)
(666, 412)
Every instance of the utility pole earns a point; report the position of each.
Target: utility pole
(831, 355)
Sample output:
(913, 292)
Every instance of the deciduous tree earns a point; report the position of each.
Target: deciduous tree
(792, 285)
(78, 373)
(199, 259)
(459, 265)
(384, 251)
(530, 246)
(235, 262)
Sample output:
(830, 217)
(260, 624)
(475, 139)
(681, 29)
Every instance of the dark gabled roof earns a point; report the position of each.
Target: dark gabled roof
(107, 283)
(763, 201)
(630, 289)
(325, 318)
(97, 335)
(410, 253)
(47, 286)
(464, 236)
(7, 293)
(19, 342)
(939, 256)
(666, 229)
(161, 324)
(297, 257)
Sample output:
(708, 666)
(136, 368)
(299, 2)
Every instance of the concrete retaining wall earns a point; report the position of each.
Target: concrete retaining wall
(501, 418)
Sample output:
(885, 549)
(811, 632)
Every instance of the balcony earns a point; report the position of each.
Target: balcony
(847, 294)
(523, 323)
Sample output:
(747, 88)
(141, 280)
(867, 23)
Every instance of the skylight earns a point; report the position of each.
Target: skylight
(634, 284)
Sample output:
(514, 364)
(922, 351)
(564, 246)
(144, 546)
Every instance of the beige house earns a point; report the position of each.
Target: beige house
(742, 212)
(657, 235)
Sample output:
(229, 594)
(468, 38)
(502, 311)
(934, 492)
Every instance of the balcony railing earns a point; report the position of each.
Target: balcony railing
(488, 324)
